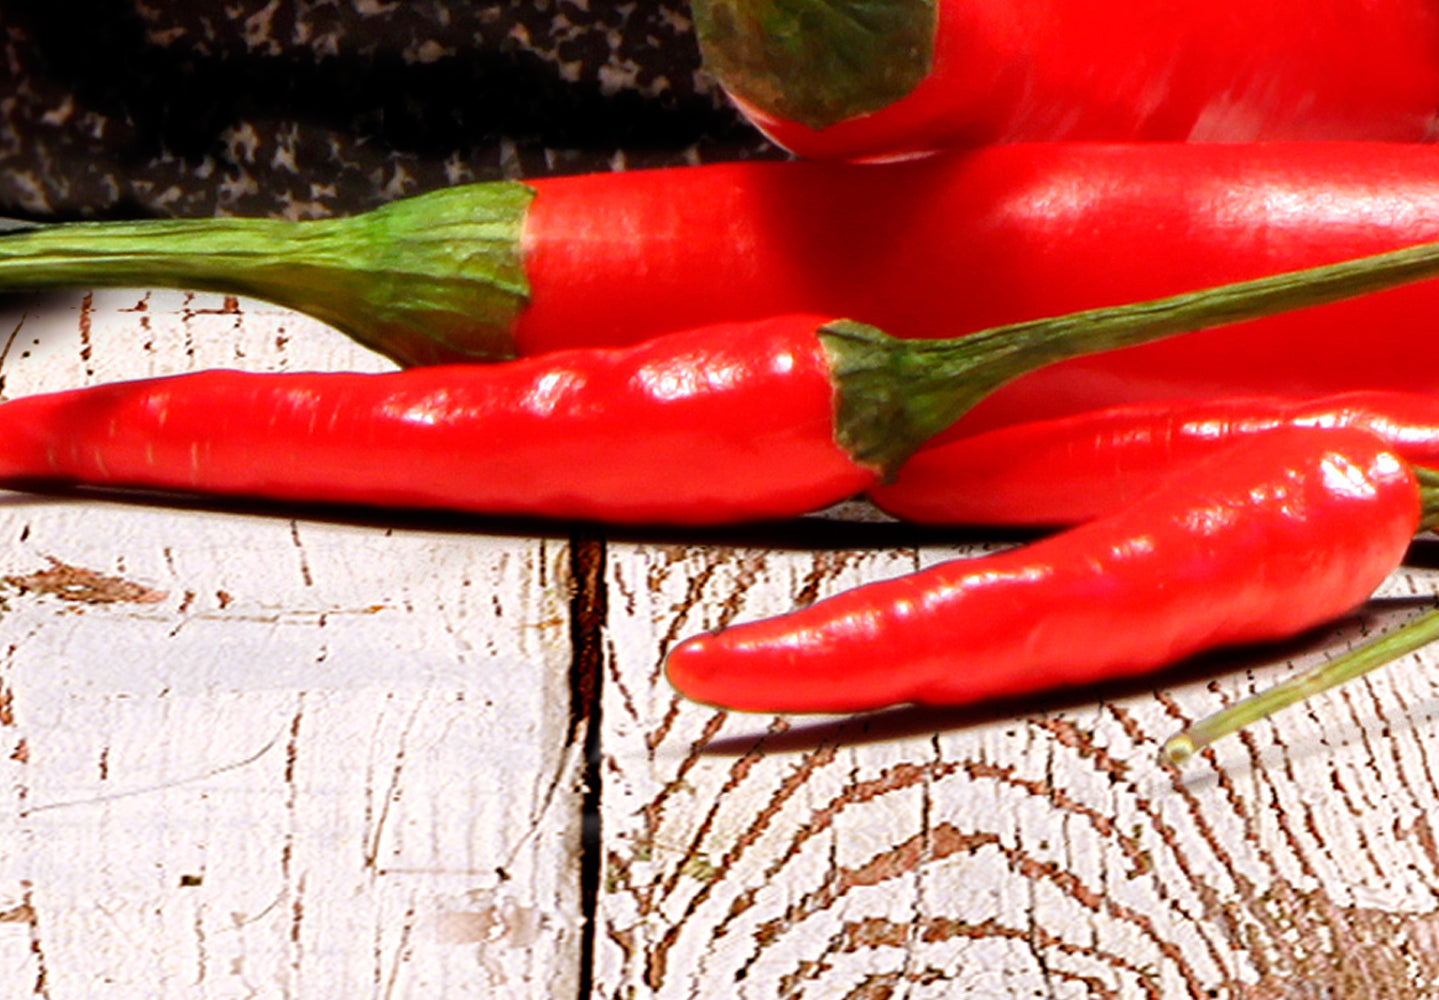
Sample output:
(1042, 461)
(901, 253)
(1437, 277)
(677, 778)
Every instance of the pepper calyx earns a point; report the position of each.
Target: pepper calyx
(1428, 480)
(817, 62)
(889, 396)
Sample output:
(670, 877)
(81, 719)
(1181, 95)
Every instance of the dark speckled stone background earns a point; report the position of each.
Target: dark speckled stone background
(309, 108)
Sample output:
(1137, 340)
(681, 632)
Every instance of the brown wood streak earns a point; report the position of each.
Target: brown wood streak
(1420, 830)
(1208, 895)
(694, 592)
(295, 883)
(40, 985)
(870, 933)
(1289, 934)
(1347, 938)
(942, 841)
(1427, 774)
(825, 566)
(618, 868)
(944, 928)
(654, 810)
(1356, 809)
(1217, 908)
(892, 779)
(1357, 951)
(82, 586)
(936, 844)
(793, 782)
(658, 958)
(1280, 888)
(695, 587)
(1328, 910)
(87, 321)
(1281, 818)
(1071, 736)
(1103, 825)
(1419, 745)
(1380, 955)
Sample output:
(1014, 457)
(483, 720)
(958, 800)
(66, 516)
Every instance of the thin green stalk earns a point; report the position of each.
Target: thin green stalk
(894, 394)
(428, 279)
(1389, 647)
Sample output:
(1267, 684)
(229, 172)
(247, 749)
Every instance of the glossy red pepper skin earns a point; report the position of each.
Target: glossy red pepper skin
(934, 248)
(1194, 70)
(949, 245)
(1053, 473)
(1259, 542)
(709, 426)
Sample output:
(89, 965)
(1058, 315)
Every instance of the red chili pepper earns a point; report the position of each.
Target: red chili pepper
(1049, 473)
(855, 80)
(709, 426)
(939, 247)
(1259, 542)
(718, 424)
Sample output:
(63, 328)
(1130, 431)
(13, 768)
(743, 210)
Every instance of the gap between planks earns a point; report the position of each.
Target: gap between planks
(588, 607)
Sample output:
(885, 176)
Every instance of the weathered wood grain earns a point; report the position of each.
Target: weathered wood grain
(294, 753)
(1039, 850)
(272, 753)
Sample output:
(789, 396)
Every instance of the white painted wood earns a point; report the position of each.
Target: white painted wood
(278, 753)
(272, 754)
(1042, 851)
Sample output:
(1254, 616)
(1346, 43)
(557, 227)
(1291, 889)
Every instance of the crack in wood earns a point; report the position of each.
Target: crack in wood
(588, 611)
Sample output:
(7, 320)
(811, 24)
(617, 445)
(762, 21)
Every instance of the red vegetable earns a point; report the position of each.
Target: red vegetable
(933, 248)
(1259, 542)
(709, 426)
(723, 423)
(1071, 469)
(854, 79)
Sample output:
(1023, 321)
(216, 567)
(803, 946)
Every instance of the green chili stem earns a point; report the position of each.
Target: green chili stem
(817, 62)
(437, 277)
(1389, 647)
(1428, 480)
(893, 394)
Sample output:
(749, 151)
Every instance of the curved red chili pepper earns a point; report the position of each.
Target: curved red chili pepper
(913, 76)
(939, 247)
(1259, 542)
(708, 426)
(1049, 473)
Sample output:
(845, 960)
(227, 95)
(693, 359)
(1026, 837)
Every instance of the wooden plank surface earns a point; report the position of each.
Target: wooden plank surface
(1034, 850)
(250, 751)
(260, 752)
